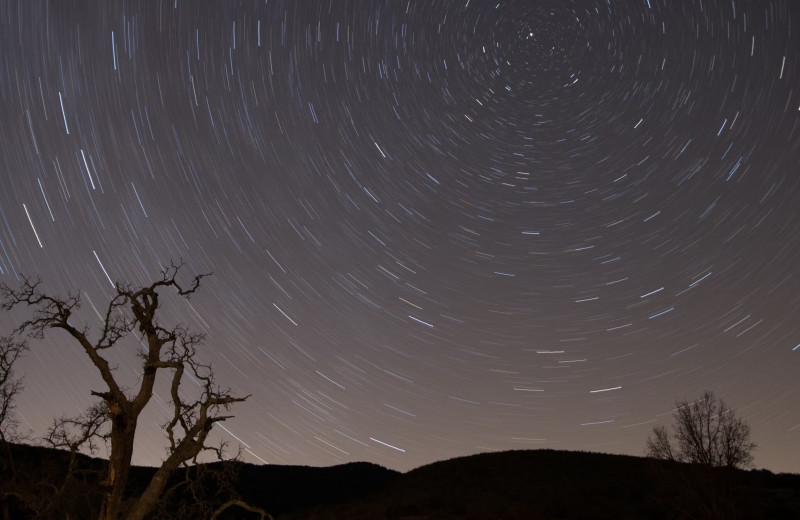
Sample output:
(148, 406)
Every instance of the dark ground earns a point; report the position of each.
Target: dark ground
(530, 485)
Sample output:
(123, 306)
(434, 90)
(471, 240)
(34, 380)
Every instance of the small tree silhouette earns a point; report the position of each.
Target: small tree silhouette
(10, 387)
(115, 416)
(705, 432)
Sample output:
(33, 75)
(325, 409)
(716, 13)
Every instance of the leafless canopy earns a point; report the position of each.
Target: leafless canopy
(172, 350)
(706, 432)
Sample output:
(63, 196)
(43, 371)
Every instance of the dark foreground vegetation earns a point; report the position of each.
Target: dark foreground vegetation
(528, 485)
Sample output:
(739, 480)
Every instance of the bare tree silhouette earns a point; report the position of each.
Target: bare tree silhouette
(114, 418)
(10, 387)
(705, 432)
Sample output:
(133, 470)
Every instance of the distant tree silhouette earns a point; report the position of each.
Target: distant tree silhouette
(10, 387)
(113, 419)
(705, 432)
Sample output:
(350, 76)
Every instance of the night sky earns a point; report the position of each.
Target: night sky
(436, 228)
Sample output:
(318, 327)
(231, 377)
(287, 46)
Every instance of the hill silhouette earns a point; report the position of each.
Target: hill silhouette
(548, 484)
(530, 485)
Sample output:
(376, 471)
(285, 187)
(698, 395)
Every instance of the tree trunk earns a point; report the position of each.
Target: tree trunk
(119, 465)
(149, 498)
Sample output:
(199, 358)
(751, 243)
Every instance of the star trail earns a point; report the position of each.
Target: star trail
(436, 227)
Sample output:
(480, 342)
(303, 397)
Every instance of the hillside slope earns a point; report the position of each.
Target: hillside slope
(529, 485)
(546, 484)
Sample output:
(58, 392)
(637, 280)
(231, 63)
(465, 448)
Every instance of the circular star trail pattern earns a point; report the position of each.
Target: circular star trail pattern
(436, 227)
